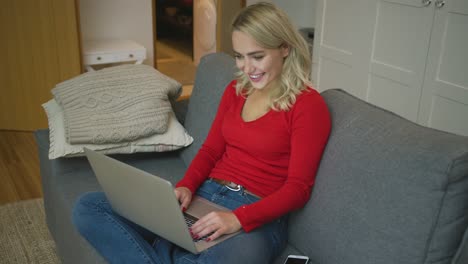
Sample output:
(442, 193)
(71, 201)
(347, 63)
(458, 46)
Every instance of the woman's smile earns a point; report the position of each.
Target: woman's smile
(262, 65)
(256, 77)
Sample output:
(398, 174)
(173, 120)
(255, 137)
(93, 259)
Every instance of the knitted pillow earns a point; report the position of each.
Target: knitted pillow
(116, 104)
(174, 138)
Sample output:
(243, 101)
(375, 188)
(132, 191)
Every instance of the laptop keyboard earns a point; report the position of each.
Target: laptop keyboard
(190, 220)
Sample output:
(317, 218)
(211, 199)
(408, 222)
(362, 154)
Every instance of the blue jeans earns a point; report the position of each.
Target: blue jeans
(119, 240)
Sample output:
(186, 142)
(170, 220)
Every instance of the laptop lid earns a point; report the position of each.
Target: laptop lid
(149, 201)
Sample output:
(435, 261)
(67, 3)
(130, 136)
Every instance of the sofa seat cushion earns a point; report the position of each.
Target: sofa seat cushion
(387, 191)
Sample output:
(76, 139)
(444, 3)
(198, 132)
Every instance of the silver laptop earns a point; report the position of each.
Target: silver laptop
(150, 202)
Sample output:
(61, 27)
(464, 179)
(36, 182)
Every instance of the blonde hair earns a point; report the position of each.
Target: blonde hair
(271, 28)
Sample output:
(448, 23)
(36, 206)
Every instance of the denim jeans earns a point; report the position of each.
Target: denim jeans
(119, 240)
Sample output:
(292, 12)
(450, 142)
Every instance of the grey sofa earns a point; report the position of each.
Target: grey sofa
(388, 191)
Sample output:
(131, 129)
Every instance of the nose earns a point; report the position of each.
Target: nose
(247, 66)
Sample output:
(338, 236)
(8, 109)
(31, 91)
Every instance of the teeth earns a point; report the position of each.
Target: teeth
(255, 76)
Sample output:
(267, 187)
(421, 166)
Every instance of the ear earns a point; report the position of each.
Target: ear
(285, 50)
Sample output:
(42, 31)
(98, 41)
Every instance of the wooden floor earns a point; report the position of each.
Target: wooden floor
(174, 59)
(19, 167)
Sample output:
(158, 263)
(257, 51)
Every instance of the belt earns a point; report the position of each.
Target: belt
(234, 186)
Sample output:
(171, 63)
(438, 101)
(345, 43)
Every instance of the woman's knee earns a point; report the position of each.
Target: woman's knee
(87, 207)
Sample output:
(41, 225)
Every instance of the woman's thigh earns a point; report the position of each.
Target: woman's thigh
(259, 246)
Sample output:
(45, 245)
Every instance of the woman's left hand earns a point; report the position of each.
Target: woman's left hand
(219, 222)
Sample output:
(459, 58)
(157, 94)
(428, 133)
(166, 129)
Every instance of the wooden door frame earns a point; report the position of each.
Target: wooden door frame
(155, 37)
(78, 29)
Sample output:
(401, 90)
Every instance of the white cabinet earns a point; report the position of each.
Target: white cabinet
(444, 101)
(407, 56)
(96, 52)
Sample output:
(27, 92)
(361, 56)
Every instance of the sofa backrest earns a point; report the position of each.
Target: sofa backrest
(387, 190)
(214, 73)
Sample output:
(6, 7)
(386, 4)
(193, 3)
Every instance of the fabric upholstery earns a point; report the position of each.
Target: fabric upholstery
(175, 137)
(387, 191)
(210, 82)
(116, 104)
(462, 253)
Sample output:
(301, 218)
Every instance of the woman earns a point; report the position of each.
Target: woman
(259, 159)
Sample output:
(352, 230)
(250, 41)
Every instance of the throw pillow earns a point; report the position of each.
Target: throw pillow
(116, 104)
(174, 138)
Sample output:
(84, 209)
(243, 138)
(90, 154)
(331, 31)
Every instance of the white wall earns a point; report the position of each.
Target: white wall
(118, 19)
(301, 12)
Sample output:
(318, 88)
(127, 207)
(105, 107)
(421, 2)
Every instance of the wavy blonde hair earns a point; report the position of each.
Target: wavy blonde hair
(271, 28)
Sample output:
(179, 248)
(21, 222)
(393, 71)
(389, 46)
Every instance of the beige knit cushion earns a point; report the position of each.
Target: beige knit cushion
(174, 138)
(116, 104)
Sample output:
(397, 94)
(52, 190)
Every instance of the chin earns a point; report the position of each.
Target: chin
(259, 85)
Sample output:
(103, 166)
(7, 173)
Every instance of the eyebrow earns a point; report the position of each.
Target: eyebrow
(251, 53)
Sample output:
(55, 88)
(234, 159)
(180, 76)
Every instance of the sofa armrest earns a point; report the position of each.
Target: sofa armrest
(180, 109)
(462, 253)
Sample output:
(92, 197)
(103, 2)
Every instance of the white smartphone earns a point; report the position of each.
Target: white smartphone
(296, 259)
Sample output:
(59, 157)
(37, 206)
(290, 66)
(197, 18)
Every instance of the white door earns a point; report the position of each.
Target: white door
(336, 44)
(374, 49)
(397, 56)
(444, 103)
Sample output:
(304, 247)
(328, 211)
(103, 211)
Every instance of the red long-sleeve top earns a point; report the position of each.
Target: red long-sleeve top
(275, 156)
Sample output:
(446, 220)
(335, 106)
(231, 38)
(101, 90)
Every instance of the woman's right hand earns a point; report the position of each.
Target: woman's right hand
(184, 196)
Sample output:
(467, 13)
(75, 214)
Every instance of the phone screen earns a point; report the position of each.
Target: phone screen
(296, 261)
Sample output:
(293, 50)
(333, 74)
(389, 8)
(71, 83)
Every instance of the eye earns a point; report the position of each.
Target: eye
(238, 56)
(258, 57)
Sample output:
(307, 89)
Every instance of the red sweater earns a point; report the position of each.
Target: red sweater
(275, 156)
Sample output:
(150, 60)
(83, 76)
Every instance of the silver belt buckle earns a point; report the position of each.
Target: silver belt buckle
(234, 189)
